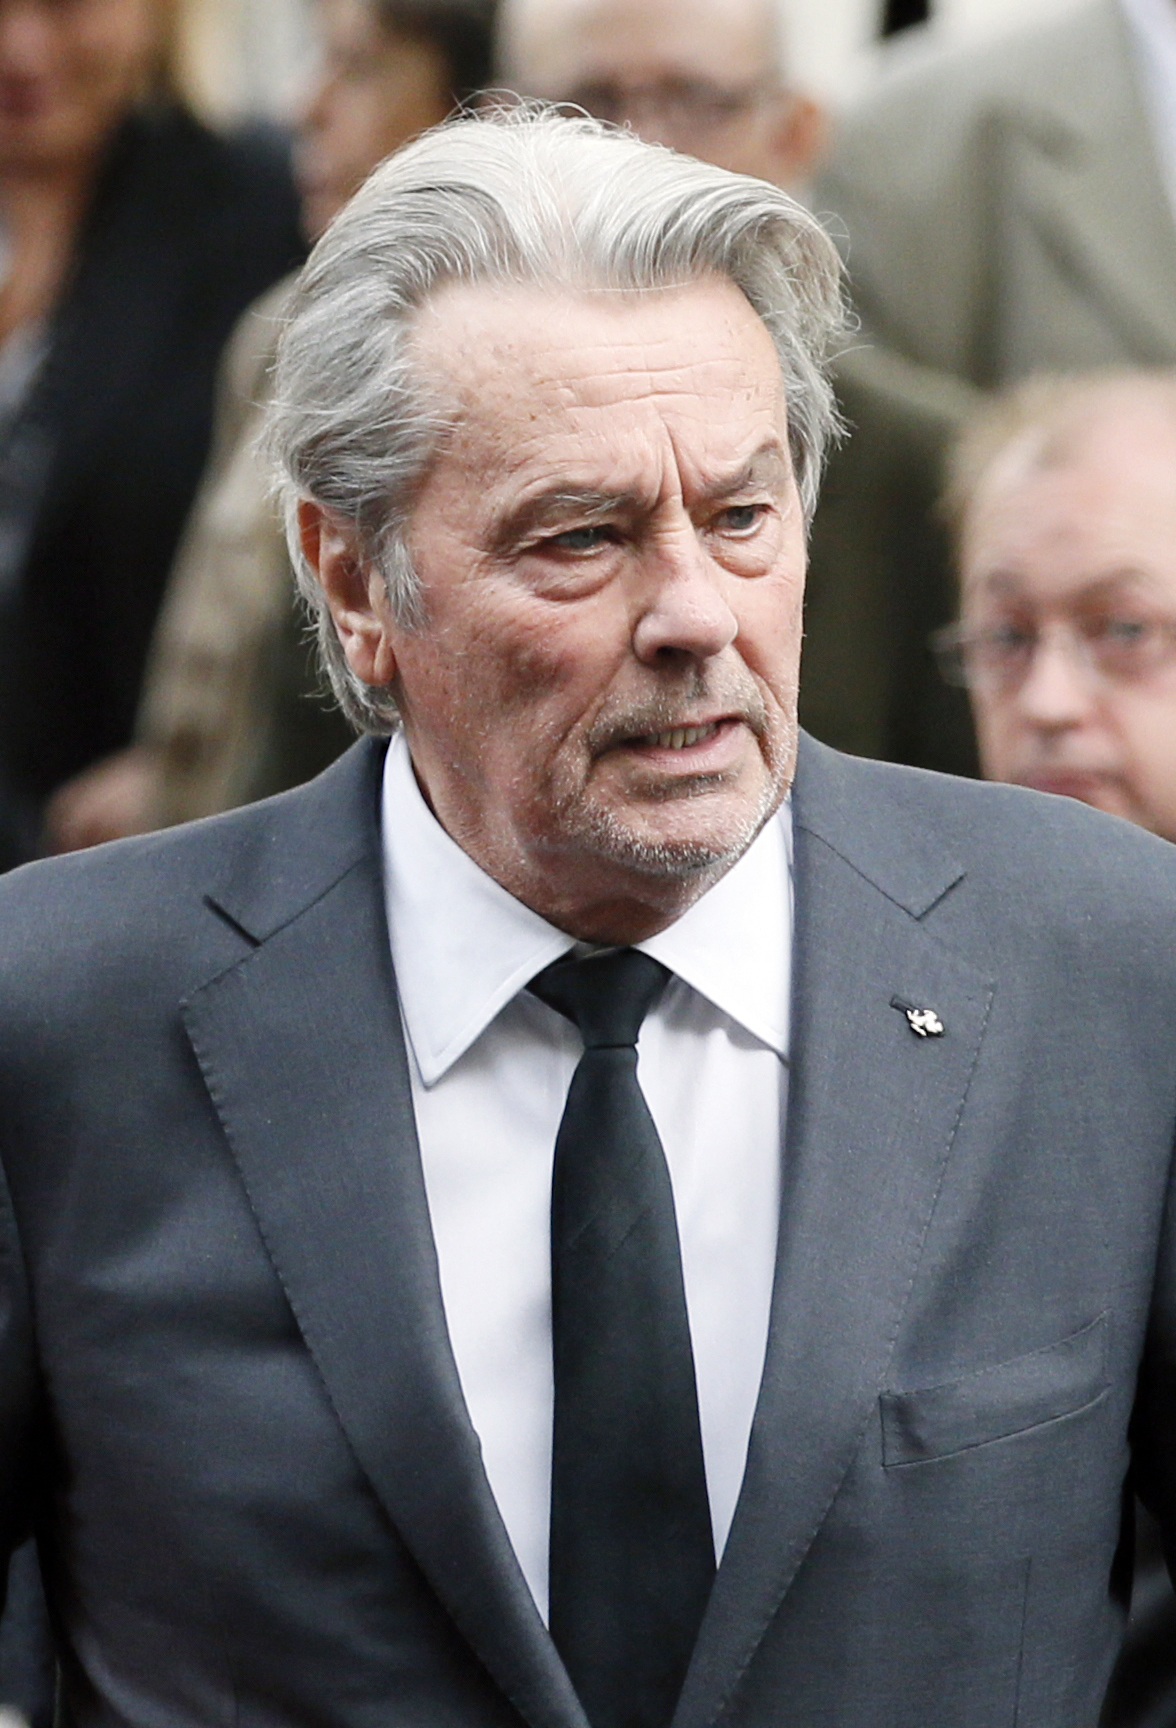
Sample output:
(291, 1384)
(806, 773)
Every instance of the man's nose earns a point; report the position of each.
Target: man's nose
(1058, 689)
(685, 611)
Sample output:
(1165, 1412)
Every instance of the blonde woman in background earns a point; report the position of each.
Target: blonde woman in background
(132, 238)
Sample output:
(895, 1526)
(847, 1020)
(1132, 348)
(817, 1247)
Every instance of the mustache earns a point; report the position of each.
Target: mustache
(697, 698)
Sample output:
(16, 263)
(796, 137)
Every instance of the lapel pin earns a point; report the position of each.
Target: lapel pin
(923, 1022)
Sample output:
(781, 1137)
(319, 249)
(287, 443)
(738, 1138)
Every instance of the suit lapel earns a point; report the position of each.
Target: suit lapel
(301, 1049)
(1089, 176)
(872, 1115)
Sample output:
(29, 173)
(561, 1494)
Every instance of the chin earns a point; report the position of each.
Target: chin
(677, 851)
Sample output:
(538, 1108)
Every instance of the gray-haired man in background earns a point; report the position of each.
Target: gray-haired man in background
(542, 1226)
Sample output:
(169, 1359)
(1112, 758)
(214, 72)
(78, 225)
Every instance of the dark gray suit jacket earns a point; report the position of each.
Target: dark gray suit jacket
(227, 1399)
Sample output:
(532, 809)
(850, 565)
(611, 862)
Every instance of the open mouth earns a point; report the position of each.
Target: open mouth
(679, 737)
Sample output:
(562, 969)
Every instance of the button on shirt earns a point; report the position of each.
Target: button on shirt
(490, 1068)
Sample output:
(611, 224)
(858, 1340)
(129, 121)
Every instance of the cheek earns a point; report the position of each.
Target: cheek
(1148, 732)
(998, 726)
(770, 630)
(492, 681)
(549, 663)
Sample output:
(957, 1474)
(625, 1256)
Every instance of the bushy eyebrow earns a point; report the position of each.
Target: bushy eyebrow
(768, 467)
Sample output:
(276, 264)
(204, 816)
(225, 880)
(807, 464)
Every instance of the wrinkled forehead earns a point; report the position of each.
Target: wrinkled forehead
(620, 395)
(476, 342)
(1055, 516)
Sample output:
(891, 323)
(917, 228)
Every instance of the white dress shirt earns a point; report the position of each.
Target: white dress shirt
(490, 1067)
(1152, 26)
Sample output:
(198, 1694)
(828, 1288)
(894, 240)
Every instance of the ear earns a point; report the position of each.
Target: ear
(796, 136)
(354, 589)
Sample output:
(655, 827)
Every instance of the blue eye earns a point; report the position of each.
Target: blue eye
(581, 539)
(742, 518)
(1123, 632)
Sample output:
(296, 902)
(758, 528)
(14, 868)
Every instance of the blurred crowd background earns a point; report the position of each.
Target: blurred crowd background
(993, 578)
(249, 57)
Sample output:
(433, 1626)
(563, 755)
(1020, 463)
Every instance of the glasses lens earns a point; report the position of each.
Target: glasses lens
(679, 105)
(1126, 647)
(999, 654)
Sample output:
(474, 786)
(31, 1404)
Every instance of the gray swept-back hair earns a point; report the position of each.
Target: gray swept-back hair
(520, 195)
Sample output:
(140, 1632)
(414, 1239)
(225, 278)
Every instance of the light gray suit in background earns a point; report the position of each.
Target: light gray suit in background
(1005, 208)
(227, 1398)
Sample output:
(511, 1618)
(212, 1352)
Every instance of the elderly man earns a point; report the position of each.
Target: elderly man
(538, 1227)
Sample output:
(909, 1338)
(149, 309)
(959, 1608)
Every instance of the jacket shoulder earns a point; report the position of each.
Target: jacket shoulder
(184, 903)
(1027, 858)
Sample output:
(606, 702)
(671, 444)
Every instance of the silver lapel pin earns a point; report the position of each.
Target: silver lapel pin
(923, 1022)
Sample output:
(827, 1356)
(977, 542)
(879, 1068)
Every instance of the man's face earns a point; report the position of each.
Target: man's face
(601, 700)
(700, 75)
(377, 88)
(1082, 556)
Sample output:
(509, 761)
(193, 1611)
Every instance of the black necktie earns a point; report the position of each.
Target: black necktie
(632, 1552)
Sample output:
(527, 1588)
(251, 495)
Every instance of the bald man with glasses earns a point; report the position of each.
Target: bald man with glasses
(1065, 500)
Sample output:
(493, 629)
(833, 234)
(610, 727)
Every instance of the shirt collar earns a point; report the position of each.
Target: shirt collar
(463, 946)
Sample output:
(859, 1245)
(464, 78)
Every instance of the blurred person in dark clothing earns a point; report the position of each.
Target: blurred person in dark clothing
(1062, 493)
(232, 707)
(130, 238)
(133, 237)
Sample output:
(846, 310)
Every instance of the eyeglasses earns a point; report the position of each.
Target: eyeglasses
(680, 106)
(999, 656)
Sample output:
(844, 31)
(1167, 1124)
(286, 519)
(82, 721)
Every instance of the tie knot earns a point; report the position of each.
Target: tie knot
(606, 996)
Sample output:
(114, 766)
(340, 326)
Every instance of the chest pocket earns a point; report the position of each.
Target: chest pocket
(995, 1403)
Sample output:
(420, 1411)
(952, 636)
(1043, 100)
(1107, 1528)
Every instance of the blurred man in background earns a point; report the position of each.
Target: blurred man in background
(708, 77)
(230, 709)
(1062, 493)
(1065, 497)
